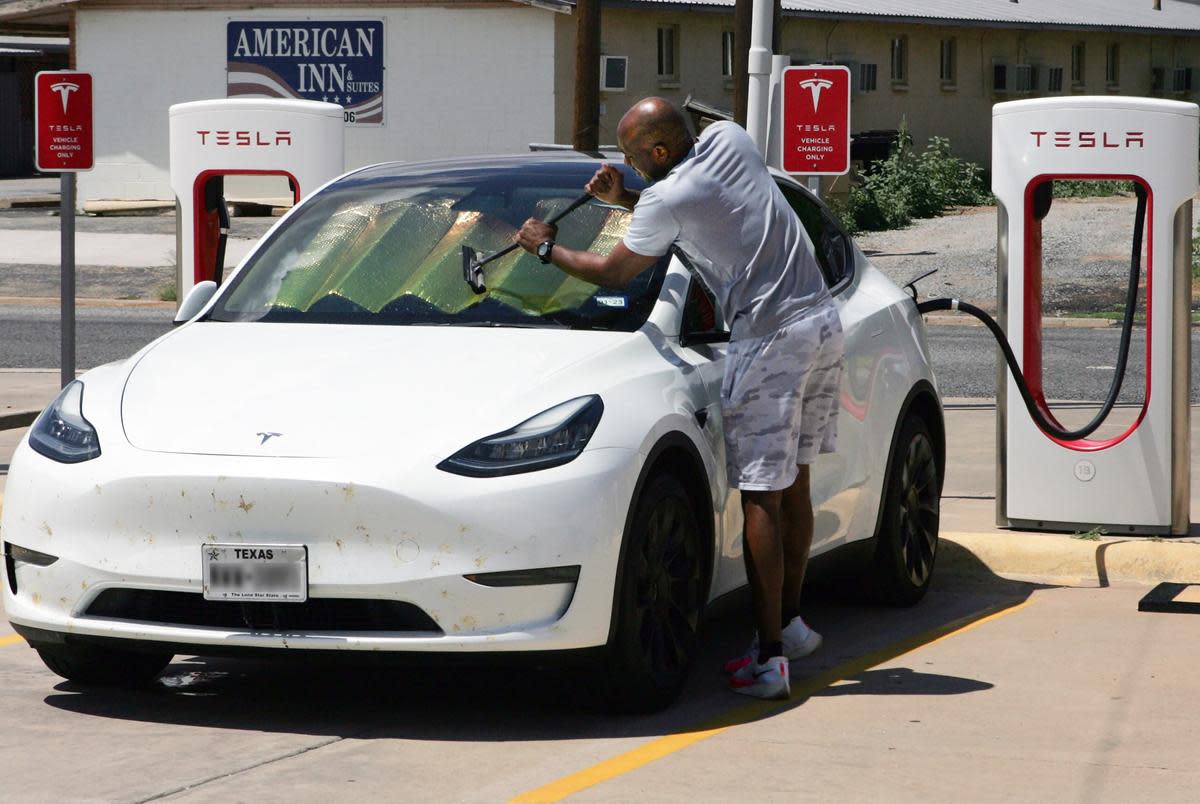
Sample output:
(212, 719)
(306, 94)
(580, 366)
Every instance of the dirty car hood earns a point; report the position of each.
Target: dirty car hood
(304, 390)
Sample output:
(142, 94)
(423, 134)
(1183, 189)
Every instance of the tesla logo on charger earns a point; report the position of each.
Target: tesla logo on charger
(244, 139)
(816, 86)
(1089, 139)
(64, 89)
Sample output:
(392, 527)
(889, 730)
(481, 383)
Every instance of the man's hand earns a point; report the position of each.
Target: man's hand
(533, 233)
(609, 185)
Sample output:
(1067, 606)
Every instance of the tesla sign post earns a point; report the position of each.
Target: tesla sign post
(816, 120)
(63, 136)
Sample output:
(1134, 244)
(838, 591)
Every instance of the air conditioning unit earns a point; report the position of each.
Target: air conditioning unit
(1000, 79)
(614, 73)
(1181, 79)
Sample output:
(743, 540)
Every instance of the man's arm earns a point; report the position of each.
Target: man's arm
(614, 270)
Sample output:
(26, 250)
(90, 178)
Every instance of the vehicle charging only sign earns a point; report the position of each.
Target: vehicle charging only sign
(816, 120)
(63, 114)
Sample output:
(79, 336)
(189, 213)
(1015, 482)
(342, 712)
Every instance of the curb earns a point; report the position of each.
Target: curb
(1061, 559)
(81, 301)
(18, 419)
(30, 202)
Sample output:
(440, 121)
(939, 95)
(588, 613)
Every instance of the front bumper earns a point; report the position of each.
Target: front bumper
(374, 532)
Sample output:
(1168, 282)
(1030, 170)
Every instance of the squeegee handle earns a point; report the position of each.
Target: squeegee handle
(576, 204)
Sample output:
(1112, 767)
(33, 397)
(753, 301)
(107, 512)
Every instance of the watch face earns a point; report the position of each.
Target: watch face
(543, 249)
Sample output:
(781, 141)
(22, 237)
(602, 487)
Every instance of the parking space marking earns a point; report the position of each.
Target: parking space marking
(671, 743)
(12, 639)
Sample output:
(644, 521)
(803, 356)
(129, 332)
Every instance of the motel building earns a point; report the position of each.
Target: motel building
(435, 79)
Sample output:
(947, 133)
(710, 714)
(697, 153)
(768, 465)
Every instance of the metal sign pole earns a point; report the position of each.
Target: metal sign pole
(67, 226)
(814, 184)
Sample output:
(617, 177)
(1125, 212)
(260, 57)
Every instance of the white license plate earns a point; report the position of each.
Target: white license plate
(250, 572)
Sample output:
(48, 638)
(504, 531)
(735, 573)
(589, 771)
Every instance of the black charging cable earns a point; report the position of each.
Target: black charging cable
(1048, 425)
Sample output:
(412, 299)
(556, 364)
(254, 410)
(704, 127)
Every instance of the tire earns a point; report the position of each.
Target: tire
(660, 601)
(907, 541)
(86, 664)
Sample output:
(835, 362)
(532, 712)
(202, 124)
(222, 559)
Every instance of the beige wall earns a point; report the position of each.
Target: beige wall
(961, 113)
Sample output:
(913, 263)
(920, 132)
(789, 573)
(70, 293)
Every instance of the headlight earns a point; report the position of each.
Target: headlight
(61, 433)
(551, 438)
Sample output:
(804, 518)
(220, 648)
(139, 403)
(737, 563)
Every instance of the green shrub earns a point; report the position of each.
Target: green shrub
(909, 185)
(1086, 188)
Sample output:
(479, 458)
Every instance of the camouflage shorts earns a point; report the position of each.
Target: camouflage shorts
(779, 401)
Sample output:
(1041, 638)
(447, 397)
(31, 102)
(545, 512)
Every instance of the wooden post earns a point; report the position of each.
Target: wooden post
(586, 135)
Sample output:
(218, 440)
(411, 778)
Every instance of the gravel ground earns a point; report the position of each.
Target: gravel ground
(1085, 252)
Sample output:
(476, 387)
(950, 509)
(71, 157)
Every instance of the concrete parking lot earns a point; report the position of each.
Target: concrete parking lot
(989, 690)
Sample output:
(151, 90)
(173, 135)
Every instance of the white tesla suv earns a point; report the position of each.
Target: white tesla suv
(348, 449)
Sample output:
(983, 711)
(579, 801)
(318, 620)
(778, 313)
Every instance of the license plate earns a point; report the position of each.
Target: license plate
(249, 572)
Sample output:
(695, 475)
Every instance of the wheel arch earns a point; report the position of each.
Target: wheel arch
(676, 453)
(922, 400)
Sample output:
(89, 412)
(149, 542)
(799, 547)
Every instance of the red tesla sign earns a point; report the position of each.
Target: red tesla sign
(816, 120)
(63, 112)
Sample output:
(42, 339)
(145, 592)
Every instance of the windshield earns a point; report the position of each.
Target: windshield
(389, 250)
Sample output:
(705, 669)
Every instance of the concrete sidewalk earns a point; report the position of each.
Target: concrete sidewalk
(967, 515)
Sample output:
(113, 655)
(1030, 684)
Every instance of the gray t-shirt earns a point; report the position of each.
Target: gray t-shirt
(722, 208)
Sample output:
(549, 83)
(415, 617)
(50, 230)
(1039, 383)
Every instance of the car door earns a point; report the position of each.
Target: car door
(839, 479)
(703, 336)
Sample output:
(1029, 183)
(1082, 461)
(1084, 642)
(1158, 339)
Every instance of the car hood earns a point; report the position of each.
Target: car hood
(302, 390)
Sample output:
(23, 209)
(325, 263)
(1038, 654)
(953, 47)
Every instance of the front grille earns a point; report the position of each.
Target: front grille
(319, 614)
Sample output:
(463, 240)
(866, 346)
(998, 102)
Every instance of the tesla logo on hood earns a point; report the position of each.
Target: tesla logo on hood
(266, 437)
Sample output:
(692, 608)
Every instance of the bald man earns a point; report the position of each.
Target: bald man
(714, 199)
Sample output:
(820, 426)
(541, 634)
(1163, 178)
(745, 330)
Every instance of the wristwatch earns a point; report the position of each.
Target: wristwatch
(543, 251)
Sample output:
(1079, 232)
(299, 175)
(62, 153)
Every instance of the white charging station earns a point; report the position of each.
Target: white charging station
(1137, 480)
(300, 140)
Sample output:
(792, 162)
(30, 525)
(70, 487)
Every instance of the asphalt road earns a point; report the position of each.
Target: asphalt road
(1079, 362)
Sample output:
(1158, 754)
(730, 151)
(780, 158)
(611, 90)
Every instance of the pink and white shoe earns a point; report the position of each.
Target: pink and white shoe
(766, 680)
(798, 641)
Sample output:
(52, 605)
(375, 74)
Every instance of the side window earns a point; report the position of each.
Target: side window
(700, 309)
(832, 246)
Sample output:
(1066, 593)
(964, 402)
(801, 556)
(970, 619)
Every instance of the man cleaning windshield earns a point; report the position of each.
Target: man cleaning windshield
(714, 199)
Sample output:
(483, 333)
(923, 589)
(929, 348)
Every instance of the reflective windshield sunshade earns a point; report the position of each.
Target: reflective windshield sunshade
(551, 438)
(61, 433)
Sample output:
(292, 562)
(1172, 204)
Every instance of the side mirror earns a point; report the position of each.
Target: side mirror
(194, 302)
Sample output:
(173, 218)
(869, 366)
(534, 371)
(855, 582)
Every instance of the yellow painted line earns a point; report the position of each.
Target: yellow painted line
(12, 639)
(671, 743)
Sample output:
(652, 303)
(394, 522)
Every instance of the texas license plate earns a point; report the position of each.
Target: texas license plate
(249, 572)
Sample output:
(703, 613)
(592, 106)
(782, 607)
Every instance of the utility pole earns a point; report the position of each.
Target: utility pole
(743, 17)
(586, 136)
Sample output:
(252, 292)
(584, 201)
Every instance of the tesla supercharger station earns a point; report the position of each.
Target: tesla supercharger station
(302, 141)
(1137, 480)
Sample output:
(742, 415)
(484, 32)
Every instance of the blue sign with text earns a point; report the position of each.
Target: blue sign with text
(338, 61)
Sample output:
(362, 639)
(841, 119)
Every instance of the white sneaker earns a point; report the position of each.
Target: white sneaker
(767, 680)
(798, 641)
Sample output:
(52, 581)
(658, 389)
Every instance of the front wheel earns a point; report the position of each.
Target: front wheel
(907, 542)
(87, 664)
(659, 605)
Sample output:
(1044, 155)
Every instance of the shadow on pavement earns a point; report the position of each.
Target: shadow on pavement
(485, 704)
(903, 681)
